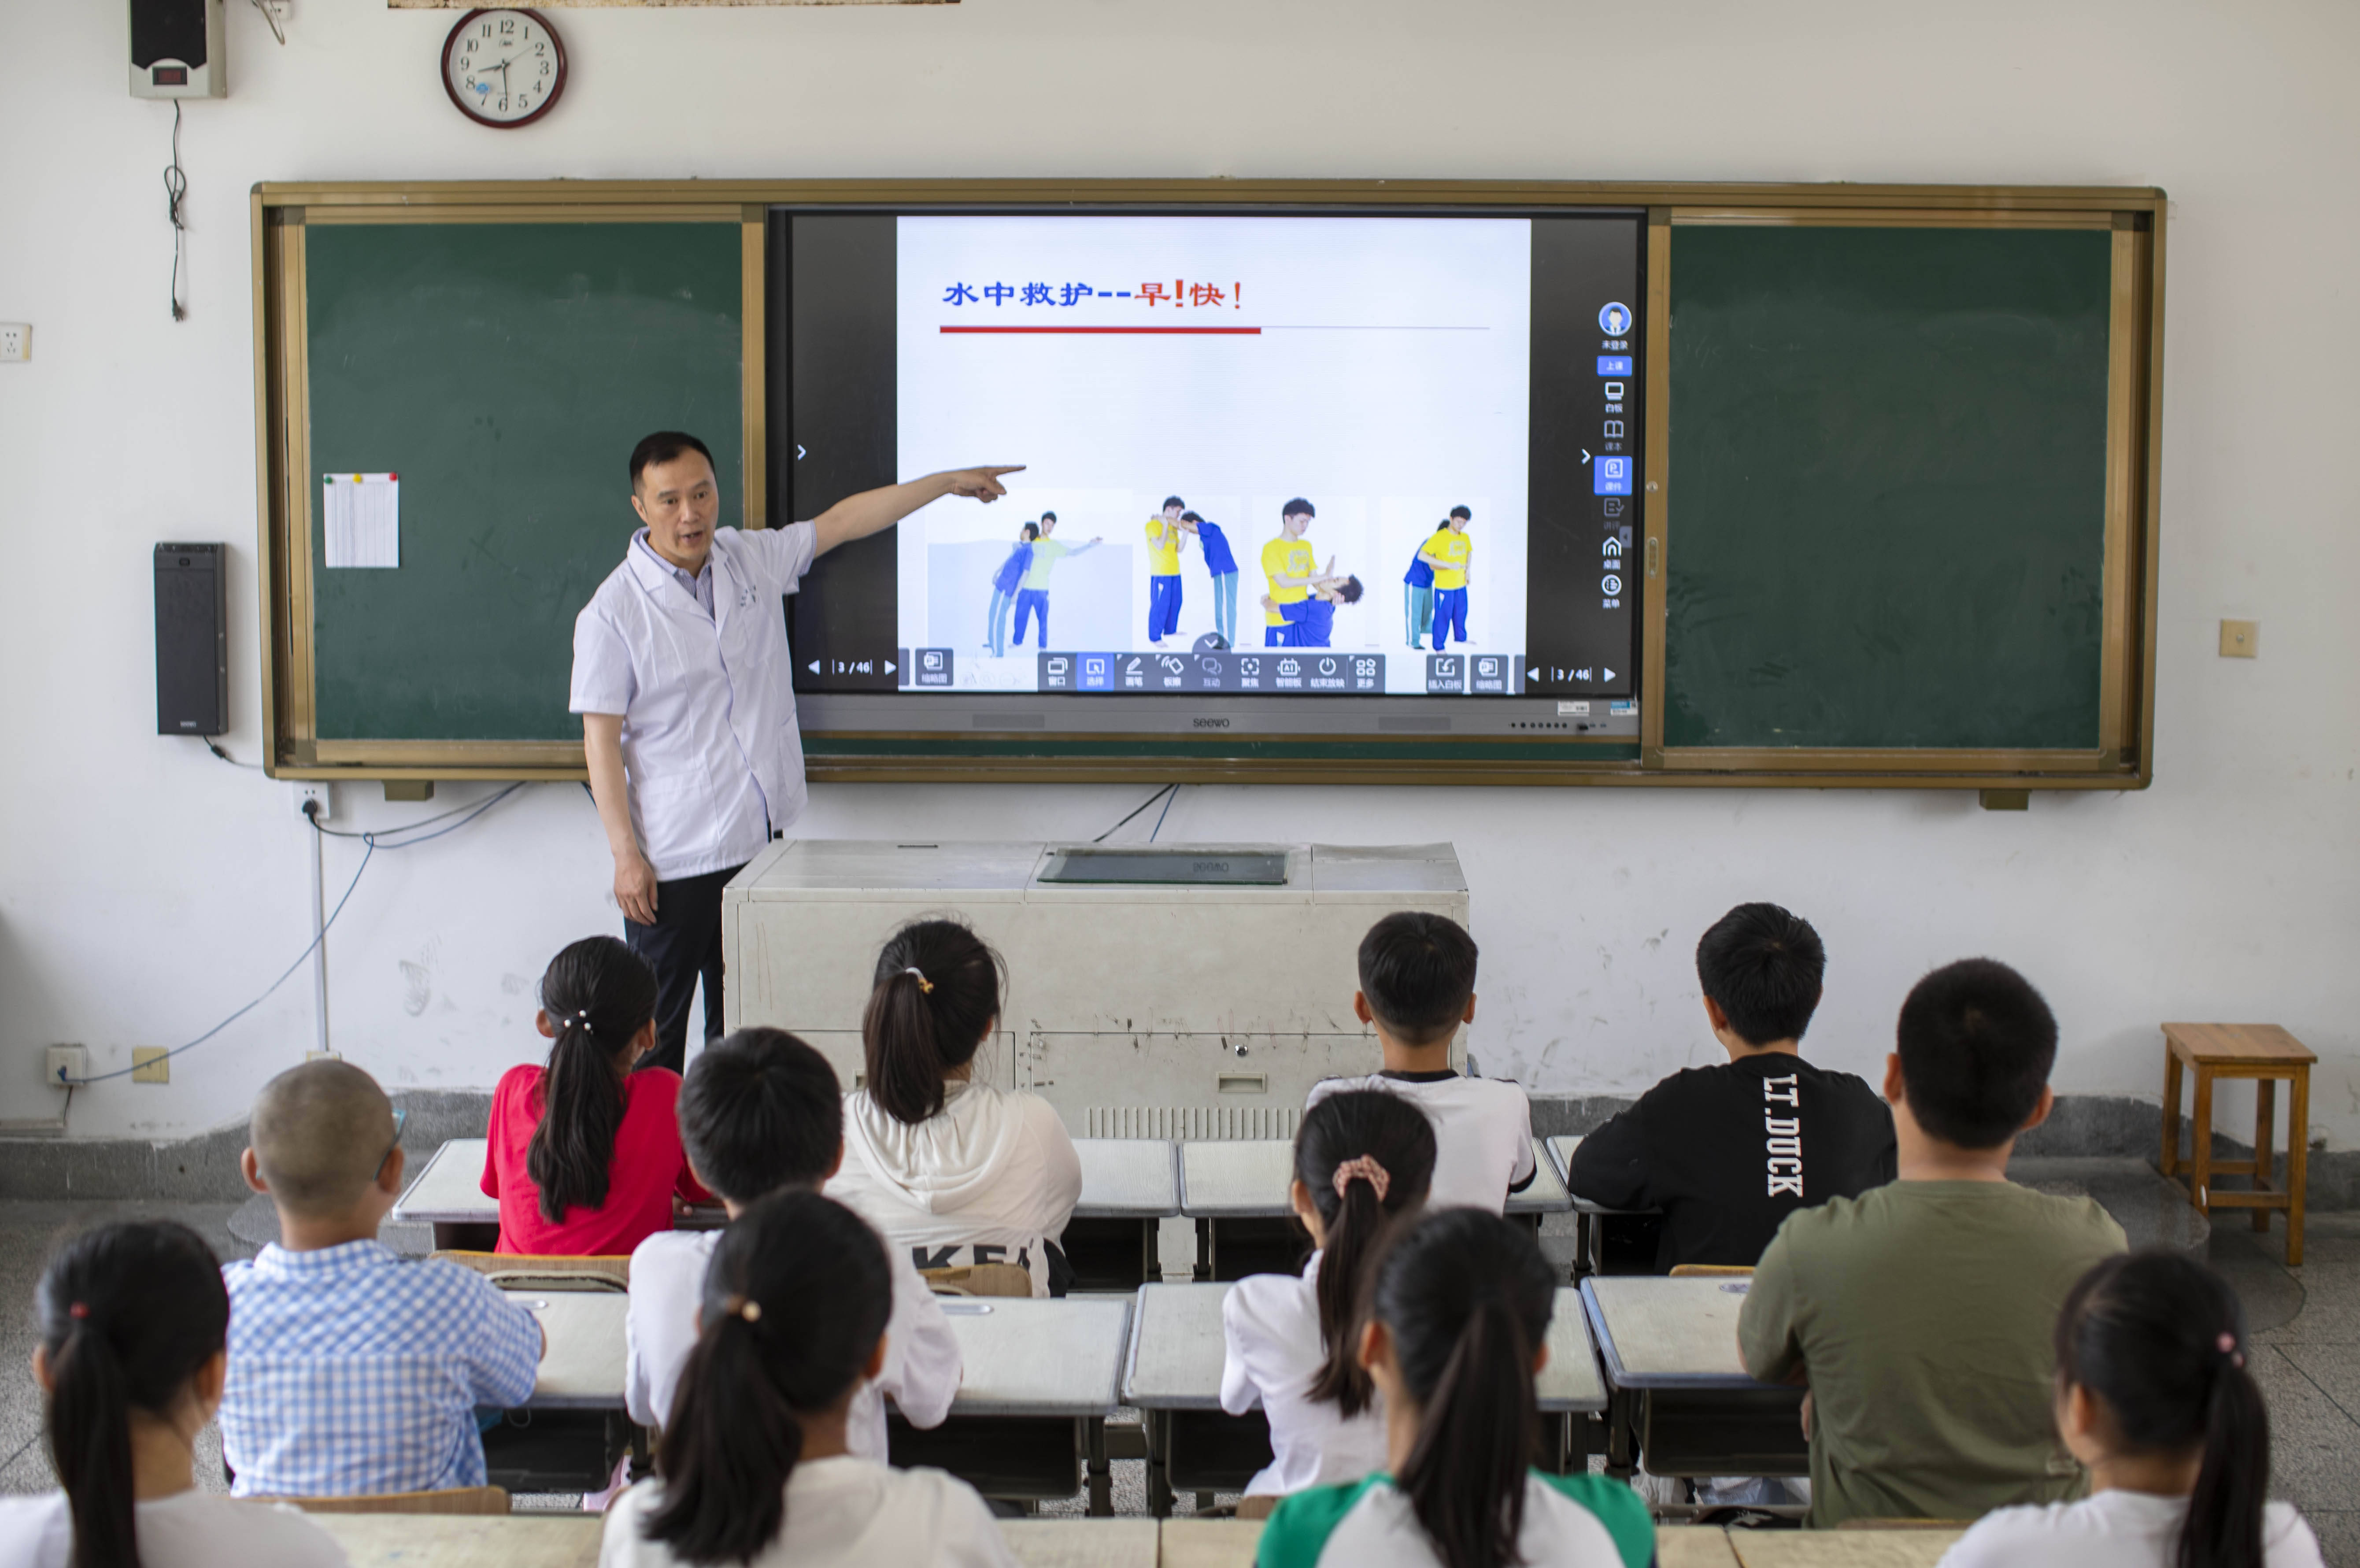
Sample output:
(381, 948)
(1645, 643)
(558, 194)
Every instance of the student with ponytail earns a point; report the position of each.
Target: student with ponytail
(950, 1168)
(2154, 1399)
(1360, 1158)
(755, 1466)
(1458, 1321)
(133, 1325)
(584, 1154)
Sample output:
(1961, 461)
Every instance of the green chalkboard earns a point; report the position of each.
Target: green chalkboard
(1887, 485)
(503, 371)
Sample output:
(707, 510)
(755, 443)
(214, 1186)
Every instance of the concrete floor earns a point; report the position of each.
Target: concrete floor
(2306, 1327)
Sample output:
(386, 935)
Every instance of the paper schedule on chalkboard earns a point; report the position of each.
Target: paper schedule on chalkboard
(361, 519)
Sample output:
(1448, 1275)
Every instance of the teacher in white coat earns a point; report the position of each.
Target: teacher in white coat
(686, 692)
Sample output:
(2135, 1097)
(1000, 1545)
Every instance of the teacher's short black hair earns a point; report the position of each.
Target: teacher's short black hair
(1048, 516)
(664, 446)
(1417, 971)
(1462, 512)
(1762, 966)
(1171, 501)
(1976, 1043)
(1298, 508)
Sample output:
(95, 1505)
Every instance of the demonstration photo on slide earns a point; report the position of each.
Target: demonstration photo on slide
(1247, 440)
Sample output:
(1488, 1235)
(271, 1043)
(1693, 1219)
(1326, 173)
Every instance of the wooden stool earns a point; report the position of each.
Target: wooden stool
(2265, 1054)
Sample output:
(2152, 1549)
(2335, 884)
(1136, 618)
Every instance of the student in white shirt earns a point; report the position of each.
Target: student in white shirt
(1359, 1160)
(756, 1466)
(953, 1172)
(134, 1348)
(1456, 1327)
(2154, 1398)
(1417, 986)
(760, 1113)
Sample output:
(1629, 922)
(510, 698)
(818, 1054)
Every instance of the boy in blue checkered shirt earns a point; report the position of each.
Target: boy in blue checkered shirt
(352, 1370)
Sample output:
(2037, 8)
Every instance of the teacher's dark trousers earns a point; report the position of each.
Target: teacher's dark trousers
(682, 946)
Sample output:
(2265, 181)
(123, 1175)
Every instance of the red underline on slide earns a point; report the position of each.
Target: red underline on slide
(1152, 331)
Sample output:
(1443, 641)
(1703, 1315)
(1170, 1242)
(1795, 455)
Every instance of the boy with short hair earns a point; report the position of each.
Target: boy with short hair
(1920, 1312)
(1730, 1150)
(351, 1370)
(760, 1112)
(1417, 986)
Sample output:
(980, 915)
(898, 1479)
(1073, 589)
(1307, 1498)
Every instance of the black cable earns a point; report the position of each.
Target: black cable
(371, 843)
(374, 838)
(1142, 806)
(176, 188)
(214, 747)
(1164, 812)
(319, 937)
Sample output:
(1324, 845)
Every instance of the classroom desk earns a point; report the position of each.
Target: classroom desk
(1693, 1546)
(1174, 1377)
(1590, 1246)
(1209, 1543)
(576, 1427)
(583, 1369)
(1081, 1544)
(1245, 1183)
(466, 1541)
(448, 1194)
(1682, 1403)
(1042, 1377)
(1130, 1186)
(1838, 1548)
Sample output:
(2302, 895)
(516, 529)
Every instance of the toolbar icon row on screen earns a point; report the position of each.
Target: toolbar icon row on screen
(1279, 669)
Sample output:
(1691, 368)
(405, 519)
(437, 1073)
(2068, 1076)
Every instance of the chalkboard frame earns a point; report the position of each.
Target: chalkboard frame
(279, 212)
(288, 501)
(2133, 411)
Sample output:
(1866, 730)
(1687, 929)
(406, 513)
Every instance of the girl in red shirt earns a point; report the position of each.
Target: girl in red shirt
(584, 1154)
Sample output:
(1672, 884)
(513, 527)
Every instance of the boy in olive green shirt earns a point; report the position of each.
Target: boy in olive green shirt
(1920, 1312)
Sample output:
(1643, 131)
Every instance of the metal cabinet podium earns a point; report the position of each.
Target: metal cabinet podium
(1141, 1003)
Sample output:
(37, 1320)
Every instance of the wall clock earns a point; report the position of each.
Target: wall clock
(503, 68)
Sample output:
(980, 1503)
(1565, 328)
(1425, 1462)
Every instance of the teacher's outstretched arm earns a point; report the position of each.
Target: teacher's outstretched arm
(858, 516)
(634, 879)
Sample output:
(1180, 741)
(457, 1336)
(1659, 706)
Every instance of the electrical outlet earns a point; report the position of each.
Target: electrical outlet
(15, 341)
(312, 799)
(150, 1064)
(60, 1063)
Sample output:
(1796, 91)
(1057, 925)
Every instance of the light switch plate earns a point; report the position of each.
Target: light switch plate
(2240, 639)
(15, 341)
(150, 1064)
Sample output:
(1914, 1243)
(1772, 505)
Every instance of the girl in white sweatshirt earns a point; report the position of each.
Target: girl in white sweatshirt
(1361, 1157)
(2153, 1398)
(953, 1170)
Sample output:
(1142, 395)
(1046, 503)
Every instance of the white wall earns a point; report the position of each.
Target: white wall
(146, 889)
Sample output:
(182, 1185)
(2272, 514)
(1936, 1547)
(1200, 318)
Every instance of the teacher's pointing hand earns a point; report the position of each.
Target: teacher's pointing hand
(858, 516)
(980, 484)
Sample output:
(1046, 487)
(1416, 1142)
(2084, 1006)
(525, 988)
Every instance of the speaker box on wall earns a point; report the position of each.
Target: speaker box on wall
(176, 49)
(191, 640)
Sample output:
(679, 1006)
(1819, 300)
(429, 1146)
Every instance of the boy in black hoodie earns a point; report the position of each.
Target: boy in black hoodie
(1729, 1151)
